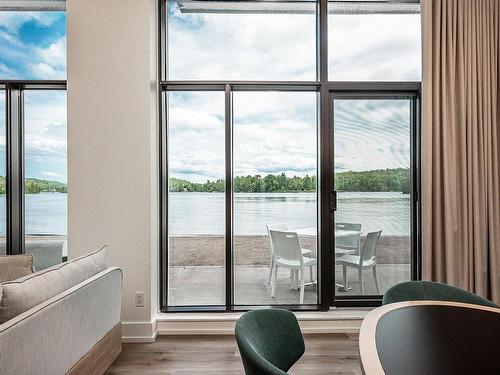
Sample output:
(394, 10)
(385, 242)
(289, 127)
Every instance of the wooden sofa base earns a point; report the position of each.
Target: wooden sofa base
(102, 355)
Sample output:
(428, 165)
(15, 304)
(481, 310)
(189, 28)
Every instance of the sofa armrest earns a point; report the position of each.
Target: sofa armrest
(52, 336)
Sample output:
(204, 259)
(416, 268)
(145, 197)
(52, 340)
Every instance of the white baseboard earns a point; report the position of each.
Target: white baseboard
(139, 332)
(337, 321)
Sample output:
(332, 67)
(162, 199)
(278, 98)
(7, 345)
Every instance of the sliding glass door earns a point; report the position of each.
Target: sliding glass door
(375, 189)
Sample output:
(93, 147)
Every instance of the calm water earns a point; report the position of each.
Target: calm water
(46, 213)
(203, 213)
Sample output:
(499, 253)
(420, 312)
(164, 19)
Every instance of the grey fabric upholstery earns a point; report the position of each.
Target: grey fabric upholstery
(22, 294)
(15, 266)
(50, 338)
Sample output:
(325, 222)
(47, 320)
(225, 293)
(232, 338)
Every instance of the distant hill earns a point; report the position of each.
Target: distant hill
(396, 179)
(35, 186)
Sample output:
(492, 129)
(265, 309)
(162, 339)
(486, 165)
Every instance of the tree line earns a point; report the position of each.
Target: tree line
(35, 186)
(382, 180)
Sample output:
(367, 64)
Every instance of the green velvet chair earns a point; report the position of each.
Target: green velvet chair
(427, 290)
(270, 341)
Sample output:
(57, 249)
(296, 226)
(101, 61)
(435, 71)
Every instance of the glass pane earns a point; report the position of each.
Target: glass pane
(275, 165)
(222, 43)
(32, 45)
(372, 177)
(3, 209)
(45, 186)
(196, 201)
(374, 47)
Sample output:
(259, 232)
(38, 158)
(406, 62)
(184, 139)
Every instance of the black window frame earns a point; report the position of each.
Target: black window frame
(326, 90)
(15, 157)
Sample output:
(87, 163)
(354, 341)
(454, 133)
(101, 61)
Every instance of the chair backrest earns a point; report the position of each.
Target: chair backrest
(348, 242)
(428, 290)
(369, 250)
(269, 340)
(281, 227)
(286, 245)
(348, 226)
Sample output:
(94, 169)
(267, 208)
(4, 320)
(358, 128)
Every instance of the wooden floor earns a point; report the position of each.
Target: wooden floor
(325, 354)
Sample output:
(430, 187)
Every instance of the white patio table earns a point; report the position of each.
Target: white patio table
(339, 233)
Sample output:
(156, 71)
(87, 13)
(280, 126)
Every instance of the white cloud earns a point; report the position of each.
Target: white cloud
(375, 47)
(242, 46)
(52, 61)
(54, 54)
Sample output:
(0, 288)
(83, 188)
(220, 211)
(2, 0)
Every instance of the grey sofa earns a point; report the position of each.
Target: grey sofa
(62, 320)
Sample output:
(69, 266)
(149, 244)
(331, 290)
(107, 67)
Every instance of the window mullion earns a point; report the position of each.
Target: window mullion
(15, 170)
(228, 119)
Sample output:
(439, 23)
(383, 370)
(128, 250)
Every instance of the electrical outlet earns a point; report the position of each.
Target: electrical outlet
(139, 299)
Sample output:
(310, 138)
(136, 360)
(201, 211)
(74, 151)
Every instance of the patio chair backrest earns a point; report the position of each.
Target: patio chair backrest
(348, 242)
(369, 250)
(286, 246)
(283, 227)
(348, 226)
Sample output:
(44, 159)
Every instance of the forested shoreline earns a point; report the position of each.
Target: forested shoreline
(381, 180)
(35, 186)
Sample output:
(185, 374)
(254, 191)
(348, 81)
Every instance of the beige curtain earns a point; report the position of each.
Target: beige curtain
(461, 144)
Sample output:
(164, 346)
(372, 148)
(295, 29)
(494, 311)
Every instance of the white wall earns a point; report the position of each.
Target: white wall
(112, 149)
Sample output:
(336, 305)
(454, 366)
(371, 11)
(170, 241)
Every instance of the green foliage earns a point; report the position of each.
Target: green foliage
(35, 186)
(366, 181)
(397, 179)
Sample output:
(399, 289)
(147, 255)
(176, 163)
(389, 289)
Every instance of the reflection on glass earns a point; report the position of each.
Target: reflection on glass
(45, 145)
(374, 47)
(275, 153)
(3, 191)
(372, 177)
(248, 45)
(32, 45)
(196, 204)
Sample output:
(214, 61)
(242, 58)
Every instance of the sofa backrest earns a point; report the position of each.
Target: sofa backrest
(15, 266)
(53, 336)
(22, 294)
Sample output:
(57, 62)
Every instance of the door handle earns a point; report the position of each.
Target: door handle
(333, 201)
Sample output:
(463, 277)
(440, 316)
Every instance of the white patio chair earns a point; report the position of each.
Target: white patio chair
(283, 228)
(288, 254)
(366, 260)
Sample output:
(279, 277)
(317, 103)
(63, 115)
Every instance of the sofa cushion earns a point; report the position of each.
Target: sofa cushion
(22, 294)
(15, 266)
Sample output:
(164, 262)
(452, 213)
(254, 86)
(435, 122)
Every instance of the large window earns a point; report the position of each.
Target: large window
(290, 140)
(241, 45)
(33, 194)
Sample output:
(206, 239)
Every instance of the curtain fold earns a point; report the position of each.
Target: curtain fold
(461, 144)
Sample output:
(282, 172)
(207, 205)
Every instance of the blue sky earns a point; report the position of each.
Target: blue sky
(33, 46)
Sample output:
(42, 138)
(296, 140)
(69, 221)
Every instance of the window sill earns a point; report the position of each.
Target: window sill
(340, 320)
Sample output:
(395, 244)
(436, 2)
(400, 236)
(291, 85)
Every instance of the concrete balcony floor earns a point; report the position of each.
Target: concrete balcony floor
(204, 285)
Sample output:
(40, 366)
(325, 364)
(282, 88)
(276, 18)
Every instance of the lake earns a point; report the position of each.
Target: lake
(203, 213)
(46, 213)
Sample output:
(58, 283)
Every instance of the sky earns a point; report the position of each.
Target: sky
(33, 46)
(276, 132)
